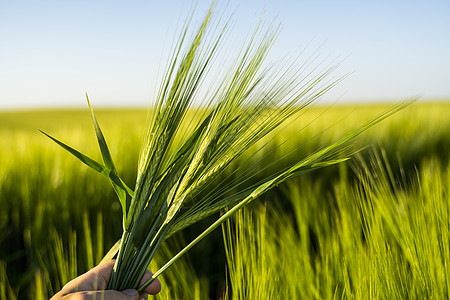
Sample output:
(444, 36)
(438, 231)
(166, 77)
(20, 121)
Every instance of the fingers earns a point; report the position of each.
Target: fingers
(105, 295)
(105, 269)
(92, 285)
(154, 287)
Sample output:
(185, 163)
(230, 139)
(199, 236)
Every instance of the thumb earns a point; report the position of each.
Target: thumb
(129, 294)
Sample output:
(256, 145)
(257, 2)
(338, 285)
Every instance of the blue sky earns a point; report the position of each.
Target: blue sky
(51, 52)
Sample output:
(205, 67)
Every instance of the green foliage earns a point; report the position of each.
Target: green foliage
(6, 292)
(377, 239)
(44, 190)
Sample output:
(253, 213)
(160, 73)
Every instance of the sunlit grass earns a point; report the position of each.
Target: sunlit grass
(37, 194)
(378, 239)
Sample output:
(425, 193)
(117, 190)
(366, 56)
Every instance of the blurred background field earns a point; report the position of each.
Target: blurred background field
(348, 231)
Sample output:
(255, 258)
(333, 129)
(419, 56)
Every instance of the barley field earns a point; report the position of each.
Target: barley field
(374, 227)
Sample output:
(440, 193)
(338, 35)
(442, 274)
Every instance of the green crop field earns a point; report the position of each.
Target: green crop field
(375, 227)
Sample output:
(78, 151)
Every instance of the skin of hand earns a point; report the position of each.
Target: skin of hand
(92, 284)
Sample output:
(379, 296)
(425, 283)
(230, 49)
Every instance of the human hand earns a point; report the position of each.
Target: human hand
(92, 285)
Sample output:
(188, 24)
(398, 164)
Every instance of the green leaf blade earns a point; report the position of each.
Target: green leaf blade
(83, 158)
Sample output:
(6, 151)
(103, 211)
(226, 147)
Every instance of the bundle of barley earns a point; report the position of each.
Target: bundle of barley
(180, 168)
